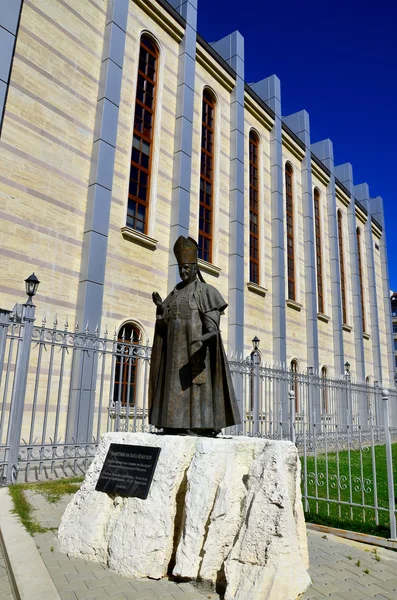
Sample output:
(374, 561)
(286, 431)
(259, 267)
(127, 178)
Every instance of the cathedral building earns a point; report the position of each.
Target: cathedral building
(121, 129)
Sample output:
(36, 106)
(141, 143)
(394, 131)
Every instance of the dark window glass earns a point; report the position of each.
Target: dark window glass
(290, 232)
(138, 193)
(125, 374)
(360, 272)
(254, 208)
(206, 178)
(320, 292)
(342, 267)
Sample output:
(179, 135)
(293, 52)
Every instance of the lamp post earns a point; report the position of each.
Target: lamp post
(255, 384)
(349, 408)
(20, 379)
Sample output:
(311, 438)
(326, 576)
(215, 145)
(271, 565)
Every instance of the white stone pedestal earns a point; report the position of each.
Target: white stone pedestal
(219, 511)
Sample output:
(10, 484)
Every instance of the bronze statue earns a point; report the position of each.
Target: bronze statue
(190, 387)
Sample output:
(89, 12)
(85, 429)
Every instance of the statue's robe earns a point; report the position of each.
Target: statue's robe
(190, 385)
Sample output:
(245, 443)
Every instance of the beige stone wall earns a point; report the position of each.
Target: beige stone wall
(325, 329)
(258, 308)
(45, 153)
(368, 355)
(348, 336)
(221, 190)
(45, 150)
(133, 271)
(296, 319)
(382, 318)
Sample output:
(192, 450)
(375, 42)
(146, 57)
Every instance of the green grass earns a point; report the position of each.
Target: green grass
(52, 492)
(357, 519)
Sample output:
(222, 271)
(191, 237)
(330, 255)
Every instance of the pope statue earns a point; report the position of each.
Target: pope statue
(190, 387)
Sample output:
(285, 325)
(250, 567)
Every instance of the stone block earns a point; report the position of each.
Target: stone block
(225, 511)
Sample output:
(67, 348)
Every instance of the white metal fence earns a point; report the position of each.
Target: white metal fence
(61, 389)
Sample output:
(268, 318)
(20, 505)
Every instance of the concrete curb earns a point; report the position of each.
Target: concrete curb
(363, 538)
(28, 574)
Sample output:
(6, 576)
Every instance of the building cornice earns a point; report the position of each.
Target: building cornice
(320, 173)
(292, 146)
(206, 59)
(256, 110)
(341, 195)
(360, 214)
(167, 18)
(376, 228)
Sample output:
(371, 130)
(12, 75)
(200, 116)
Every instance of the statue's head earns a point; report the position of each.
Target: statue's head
(186, 250)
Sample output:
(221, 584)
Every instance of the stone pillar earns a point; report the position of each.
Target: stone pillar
(10, 14)
(180, 212)
(299, 123)
(231, 48)
(325, 152)
(345, 175)
(96, 229)
(269, 91)
(378, 214)
(362, 194)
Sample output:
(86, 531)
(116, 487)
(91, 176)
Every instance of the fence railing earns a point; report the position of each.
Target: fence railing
(61, 389)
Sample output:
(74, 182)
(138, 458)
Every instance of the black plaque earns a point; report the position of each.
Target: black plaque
(128, 470)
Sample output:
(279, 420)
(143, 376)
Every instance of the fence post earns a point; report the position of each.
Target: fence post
(389, 462)
(291, 395)
(4, 322)
(255, 388)
(18, 392)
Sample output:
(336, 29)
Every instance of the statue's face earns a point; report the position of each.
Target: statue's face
(188, 272)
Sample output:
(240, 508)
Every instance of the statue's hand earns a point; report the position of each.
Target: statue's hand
(158, 301)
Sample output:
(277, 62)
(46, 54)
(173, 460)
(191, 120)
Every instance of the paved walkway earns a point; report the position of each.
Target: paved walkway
(5, 588)
(345, 570)
(340, 570)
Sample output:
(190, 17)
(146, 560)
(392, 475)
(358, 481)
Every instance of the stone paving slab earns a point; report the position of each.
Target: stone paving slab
(337, 567)
(342, 569)
(5, 588)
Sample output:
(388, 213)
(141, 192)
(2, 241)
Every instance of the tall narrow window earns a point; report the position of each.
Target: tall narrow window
(320, 292)
(254, 208)
(142, 141)
(342, 268)
(290, 232)
(360, 272)
(206, 177)
(126, 365)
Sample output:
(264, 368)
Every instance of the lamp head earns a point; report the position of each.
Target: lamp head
(31, 284)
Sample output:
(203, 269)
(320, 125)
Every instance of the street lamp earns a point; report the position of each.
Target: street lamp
(395, 379)
(31, 283)
(347, 368)
(255, 343)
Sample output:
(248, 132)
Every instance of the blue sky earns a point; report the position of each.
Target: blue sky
(337, 60)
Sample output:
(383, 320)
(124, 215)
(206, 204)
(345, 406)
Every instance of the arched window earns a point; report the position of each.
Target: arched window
(324, 390)
(290, 231)
(342, 267)
(207, 177)
(294, 382)
(360, 272)
(320, 292)
(126, 367)
(142, 141)
(254, 207)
